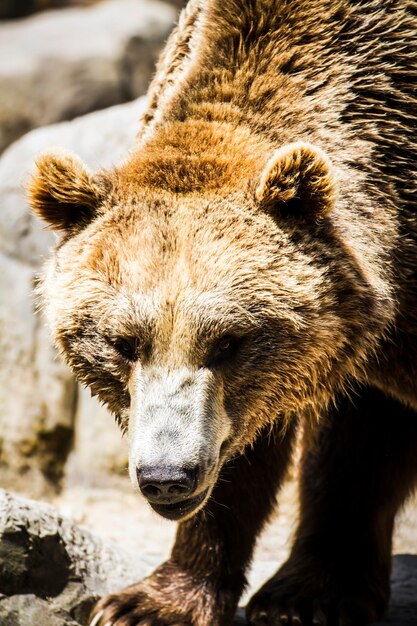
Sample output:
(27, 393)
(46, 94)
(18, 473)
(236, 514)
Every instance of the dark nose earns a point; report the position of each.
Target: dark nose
(164, 485)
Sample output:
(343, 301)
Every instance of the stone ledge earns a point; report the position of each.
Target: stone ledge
(51, 570)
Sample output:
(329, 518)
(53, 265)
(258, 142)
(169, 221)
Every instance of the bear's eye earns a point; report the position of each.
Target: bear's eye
(225, 349)
(127, 347)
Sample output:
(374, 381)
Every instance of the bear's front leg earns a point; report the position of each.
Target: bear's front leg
(201, 583)
(358, 468)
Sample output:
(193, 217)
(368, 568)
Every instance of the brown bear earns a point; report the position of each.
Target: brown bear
(250, 270)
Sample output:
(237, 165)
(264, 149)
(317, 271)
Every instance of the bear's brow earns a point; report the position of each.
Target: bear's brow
(205, 310)
(215, 310)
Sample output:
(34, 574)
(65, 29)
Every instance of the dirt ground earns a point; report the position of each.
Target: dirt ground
(122, 516)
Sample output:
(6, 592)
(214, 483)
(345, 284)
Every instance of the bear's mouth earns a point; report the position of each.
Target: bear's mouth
(177, 510)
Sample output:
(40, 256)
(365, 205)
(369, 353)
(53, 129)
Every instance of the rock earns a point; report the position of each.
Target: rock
(60, 64)
(403, 606)
(40, 415)
(10, 9)
(27, 609)
(52, 571)
(178, 3)
(36, 394)
(93, 423)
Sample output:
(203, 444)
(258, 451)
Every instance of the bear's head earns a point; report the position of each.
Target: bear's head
(200, 316)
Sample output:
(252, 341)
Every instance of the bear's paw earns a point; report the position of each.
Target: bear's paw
(318, 596)
(168, 597)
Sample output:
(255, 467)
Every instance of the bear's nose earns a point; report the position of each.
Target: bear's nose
(166, 484)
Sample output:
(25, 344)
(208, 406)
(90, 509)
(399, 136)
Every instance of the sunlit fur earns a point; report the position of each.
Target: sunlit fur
(270, 197)
(180, 271)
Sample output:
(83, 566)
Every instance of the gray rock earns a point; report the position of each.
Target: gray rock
(11, 9)
(40, 417)
(60, 64)
(36, 394)
(29, 610)
(92, 422)
(403, 605)
(52, 571)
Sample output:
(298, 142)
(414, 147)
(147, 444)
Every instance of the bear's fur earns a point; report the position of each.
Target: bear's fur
(249, 268)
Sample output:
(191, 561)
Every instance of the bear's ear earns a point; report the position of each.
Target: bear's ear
(63, 193)
(298, 178)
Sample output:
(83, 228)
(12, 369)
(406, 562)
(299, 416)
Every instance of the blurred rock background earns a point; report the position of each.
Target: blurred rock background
(56, 65)
(72, 76)
(61, 71)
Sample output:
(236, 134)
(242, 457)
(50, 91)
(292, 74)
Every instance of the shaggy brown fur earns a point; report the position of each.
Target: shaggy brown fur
(271, 200)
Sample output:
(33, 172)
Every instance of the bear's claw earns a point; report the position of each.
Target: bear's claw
(96, 619)
(155, 601)
(276, 615)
